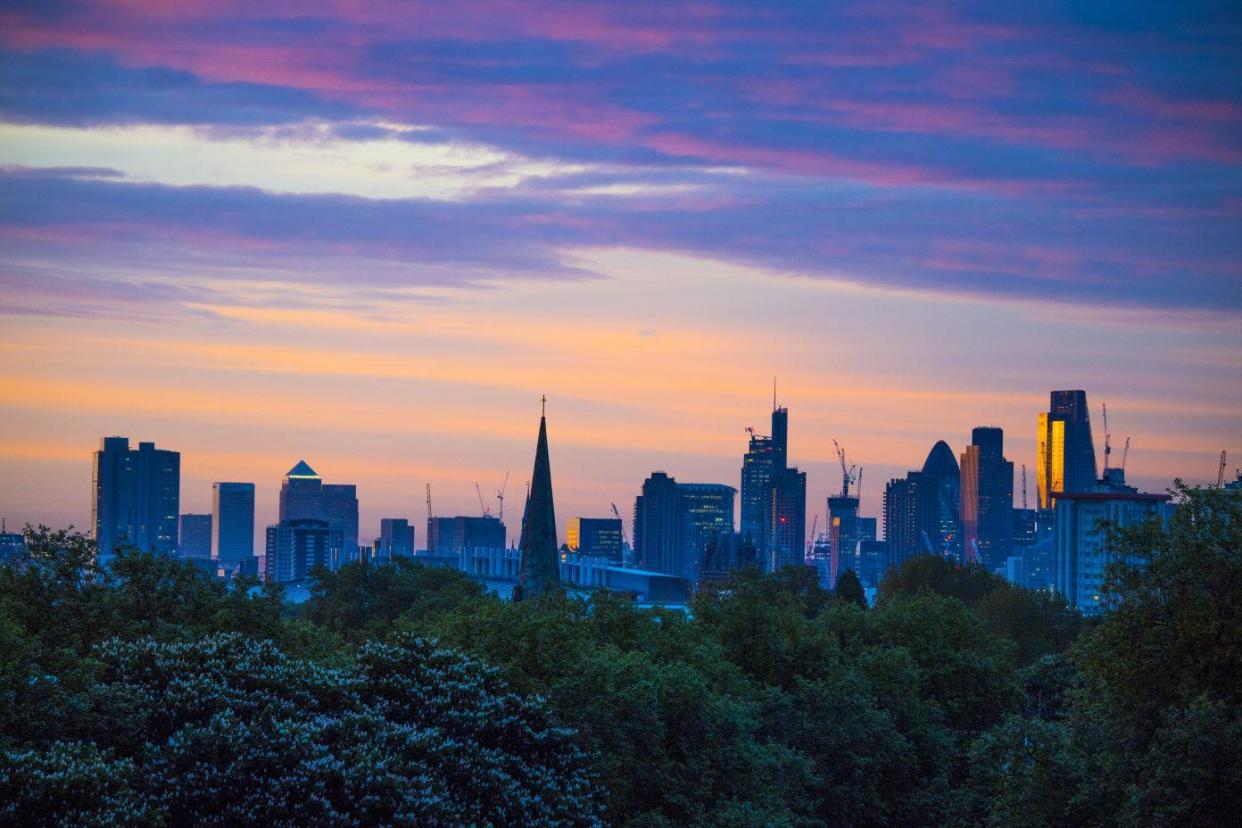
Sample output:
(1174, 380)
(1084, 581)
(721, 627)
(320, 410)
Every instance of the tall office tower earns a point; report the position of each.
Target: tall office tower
(780, 439)
(595, 537)
(941, 473)
(1084, 522)
(921, 510)
(787, 546)
(137, 497)
(656, 525)
(540, 570)
(1066, 454)
(843, 534)
(768, 479)
(396, 538)
(296, 547)
(194, 536)
(705, 513)
(453, 535)
(987, 500)
(340, 506)
(232, 506)
(304, 496)
(756, 493)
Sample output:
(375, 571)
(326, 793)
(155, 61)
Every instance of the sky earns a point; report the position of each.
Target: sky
(373, 234)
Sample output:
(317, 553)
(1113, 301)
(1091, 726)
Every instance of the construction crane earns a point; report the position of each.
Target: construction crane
(847, 472)
(500, 496)
(810, 545)
(1125, 452)
(1108, 439)
(1220, 472)
(624, 540)
(482, 506)
(858, 488)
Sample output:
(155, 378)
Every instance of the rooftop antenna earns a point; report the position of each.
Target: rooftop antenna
(429, 503)
(1220, 473)
(1024, 487)
(858, 488)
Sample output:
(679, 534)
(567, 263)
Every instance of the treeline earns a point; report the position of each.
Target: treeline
(403, 695)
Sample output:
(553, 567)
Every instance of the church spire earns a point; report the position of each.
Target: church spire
(541, 565)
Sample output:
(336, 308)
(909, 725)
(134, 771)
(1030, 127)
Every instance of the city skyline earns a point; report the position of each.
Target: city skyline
(816, 513)
(369, 235)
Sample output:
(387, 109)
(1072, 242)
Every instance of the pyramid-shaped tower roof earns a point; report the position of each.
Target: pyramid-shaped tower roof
(302, 469)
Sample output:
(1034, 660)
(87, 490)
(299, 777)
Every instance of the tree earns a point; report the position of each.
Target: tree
(850, 589)
(228, 730)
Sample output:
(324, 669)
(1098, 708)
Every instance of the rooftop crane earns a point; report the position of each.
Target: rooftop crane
(1220, 473)
(1108, 438)
(624, 540)
(1125, 452)
(482, 506)
(847, 472)
(500, 496)
(810, 545)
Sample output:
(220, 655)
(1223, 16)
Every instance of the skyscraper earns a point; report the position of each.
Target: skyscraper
(843, 533)
(657, 524)
(304, 496)
(232, 507)
(987, 500)
(194, 536)
(705, 513)
(773, 512)
(787, 545)
(136, 497)
(1065, 461)
(756, 493)
(540, 571)
(921, 509)
(396, 538)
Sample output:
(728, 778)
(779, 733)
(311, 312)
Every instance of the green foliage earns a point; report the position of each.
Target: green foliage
(142, 694)
(1038, 622)
(850, 589)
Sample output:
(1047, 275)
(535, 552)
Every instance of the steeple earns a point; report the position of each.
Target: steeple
(541, 566)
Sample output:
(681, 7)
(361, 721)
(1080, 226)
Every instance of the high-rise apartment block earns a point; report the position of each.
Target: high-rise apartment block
(136, 497)
(296, 547)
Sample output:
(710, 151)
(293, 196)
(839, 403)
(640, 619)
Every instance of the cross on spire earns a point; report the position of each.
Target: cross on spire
(543, 406)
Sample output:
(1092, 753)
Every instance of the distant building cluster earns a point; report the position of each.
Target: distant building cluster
(685, 538)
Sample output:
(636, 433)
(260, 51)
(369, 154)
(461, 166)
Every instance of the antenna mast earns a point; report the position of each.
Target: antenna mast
(1024, 487)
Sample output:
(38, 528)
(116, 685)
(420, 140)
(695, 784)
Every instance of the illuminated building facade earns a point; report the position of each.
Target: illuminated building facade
(986, 500)
(1065, 460)
(596, 537)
